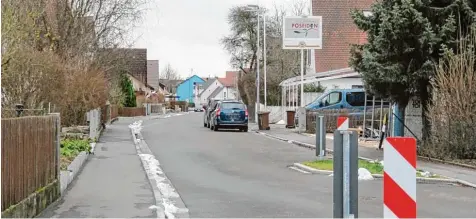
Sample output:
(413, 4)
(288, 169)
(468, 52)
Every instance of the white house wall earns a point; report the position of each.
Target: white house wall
(226, 93)
(230, 93)
(206, 93)
(342, 83)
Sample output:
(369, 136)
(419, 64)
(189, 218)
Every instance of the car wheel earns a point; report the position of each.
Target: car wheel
(215, 128)
(245, 129)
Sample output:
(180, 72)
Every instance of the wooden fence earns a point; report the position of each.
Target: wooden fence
(131, 111)
(114, 111)
(29, 156)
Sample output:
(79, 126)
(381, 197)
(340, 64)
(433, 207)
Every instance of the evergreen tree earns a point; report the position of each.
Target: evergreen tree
(406, 38)
(128, 91)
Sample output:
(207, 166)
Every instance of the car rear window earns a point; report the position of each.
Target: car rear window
(233, 106)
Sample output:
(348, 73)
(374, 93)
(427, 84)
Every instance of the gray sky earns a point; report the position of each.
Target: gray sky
(186, 33)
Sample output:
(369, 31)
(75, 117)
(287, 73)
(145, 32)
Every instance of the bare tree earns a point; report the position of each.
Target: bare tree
(54, 51)
(241, 45)
(169, 73)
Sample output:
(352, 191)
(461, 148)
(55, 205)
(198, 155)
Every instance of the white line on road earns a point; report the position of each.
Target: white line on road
(299, 170)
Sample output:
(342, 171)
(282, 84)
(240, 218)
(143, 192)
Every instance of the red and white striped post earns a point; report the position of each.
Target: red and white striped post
(342, 123)
(399, 178)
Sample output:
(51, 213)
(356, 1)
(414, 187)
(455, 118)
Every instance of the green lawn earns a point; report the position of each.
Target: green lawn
(374, 168)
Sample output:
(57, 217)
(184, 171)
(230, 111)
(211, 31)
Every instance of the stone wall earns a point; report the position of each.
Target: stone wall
(413, 118)
(35, 203)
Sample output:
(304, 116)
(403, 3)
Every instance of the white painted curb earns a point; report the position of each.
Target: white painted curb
(166, 197)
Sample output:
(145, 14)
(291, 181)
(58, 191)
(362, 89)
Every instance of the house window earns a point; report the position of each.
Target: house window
(357, 86)
(224, 94)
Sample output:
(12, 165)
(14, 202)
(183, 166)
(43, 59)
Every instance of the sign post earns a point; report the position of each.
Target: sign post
(302, 33)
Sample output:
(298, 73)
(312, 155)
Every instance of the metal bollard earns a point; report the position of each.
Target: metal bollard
(320, 137)
(345, 189)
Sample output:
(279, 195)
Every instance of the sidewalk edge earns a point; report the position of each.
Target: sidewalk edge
(310, 169)
(421, 180)
(160, 199)
(434, 160)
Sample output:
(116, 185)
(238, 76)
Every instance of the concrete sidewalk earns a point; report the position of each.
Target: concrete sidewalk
(369, 150)
(112, 183)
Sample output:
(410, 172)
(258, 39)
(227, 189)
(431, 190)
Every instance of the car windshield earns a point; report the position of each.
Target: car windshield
(233, 106)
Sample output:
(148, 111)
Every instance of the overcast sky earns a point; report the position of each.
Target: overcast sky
(186, 33)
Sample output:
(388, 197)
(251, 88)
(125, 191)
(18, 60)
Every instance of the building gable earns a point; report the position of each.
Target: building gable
(338, 31)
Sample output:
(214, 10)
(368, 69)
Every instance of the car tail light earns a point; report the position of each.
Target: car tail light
(218, 112)
(246, 112)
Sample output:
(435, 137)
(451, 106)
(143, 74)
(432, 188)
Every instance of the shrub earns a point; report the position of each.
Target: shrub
(128, 91)
(453, 112)
(70, 148)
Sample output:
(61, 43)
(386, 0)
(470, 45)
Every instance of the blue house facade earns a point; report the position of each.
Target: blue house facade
(185, 89)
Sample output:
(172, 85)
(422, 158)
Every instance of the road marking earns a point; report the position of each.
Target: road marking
(299, 170)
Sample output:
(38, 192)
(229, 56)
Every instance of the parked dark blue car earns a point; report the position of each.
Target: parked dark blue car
(229, 114)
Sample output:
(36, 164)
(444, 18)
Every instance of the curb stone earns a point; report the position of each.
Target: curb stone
(434, 160)
(305, 145)
(312, 170)
(161, 210)
(419, 179)
(429, 159)
(67, 176)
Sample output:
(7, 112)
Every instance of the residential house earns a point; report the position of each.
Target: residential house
(144, 92)
(330, 68)
(131, 60)
(338, 32)
(153, 73)
(208, 88)
(170, 86)
(230, 85)
(185, 90)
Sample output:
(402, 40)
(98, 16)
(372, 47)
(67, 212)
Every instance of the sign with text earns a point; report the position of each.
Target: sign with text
(302, 32)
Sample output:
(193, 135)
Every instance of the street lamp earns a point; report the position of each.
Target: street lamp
(256, 8)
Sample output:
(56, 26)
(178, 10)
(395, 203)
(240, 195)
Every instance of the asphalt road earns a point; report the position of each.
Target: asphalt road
(236, 174)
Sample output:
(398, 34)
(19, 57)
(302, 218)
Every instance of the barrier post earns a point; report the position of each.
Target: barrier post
(345, 187)
(399, 178)
(342, 123)
(320, 136)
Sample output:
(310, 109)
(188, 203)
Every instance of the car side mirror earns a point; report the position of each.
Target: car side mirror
(320, 104)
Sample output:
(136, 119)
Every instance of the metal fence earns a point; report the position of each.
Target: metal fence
(30, 156)
(356, 119)
(11, 113)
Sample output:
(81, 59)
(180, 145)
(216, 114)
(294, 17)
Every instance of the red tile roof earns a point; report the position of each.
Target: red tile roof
(230, 79)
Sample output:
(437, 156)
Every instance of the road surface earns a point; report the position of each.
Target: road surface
(236, 174)
(223, 174)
